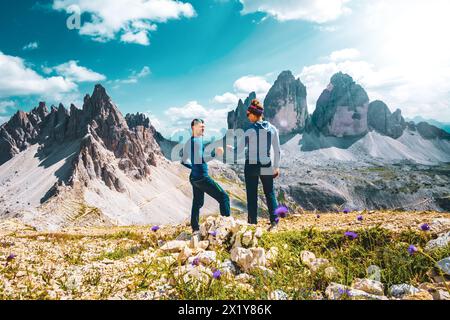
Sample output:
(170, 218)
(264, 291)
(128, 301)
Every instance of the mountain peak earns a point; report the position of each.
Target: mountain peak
(286, 76)
(285, 104)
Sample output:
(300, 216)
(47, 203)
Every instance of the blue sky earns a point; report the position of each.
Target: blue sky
(176, 60)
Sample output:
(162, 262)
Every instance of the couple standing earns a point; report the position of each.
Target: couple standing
(258, 140)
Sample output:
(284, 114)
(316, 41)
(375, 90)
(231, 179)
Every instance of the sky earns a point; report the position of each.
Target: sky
(177, 60)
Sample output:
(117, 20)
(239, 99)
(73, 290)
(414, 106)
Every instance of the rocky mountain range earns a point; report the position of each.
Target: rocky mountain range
(87, 166)
(92, 165)
(284, 105)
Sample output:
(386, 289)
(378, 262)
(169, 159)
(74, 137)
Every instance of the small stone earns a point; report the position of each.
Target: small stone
(272, 254)
(207, 257)
(331, 272)
(440, 225)
(247, 238)
(183, 236)
(400, 290)
(441, 242)
(195, 239)
(174, 246)
(258, 232)
(259, 256)
(421, 295)
(243, 277)
(242, 257)
(185, 253)
(369, 286)
(278, 295)
(444, 265)
(307, 257)
(441, 295)
(203, 244)
(337, 291)
(228, 268)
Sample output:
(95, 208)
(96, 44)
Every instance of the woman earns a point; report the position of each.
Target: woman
(200, 180)
(260, 137)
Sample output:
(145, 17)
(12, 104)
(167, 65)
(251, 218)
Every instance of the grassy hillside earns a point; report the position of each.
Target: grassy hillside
(131, 262)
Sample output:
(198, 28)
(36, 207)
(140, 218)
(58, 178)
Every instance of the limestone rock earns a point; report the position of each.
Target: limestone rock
(174, 246)
(440, 242)
(400, 290)
(278, 295)
(369, 286)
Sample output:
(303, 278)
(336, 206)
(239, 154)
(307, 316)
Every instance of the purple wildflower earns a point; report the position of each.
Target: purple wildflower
(412, 249)
(346, 210)
(213, 233)
(281, 211)
(425, 227)
(277, 220)
(155, 228)
(216, 274)
(318, 216)
(196, 261)
(11, 257)
(351, 235)
(360, 218)
(344, 292)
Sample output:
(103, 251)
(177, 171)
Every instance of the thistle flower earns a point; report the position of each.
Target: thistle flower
(425, 227)
(11, 257)
(281, 211)
(344, 292)
(216, 274)
(155, 228)
(412, 249)
(196, 262)
(360, 218)
(351, 235)
(213, 233)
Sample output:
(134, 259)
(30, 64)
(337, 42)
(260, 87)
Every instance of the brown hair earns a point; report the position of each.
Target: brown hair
(257, 104)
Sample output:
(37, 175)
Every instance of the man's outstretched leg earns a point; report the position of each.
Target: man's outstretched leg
(209, 186)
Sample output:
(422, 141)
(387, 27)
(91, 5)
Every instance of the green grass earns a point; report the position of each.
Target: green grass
(375, 246)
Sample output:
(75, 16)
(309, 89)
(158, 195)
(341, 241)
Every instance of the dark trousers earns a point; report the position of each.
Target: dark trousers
(209, 186)
(252, 176)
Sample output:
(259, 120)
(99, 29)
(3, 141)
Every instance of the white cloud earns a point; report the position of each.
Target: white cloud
(133, 77)
(227, 98)
(177, 120)
(5, 105)
(397, 86)
(72, 71)
(344, 54)
(140, 37)
(242, 88)
(244, 85)
(319, 11)
(129, 19)
(31, 46)
(3, 120)
(19, 80)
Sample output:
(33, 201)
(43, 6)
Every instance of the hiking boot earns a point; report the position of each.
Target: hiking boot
(273, 226)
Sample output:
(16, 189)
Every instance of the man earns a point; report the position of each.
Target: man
(200, 180)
